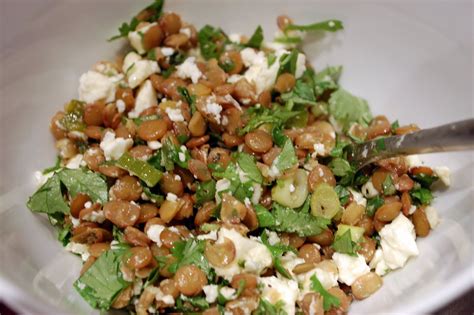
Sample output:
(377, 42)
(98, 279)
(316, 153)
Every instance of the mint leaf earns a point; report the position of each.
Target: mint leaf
(257, 38)
(329, 26)
(344, 244)
(329, 300)
(340, 167)
(49, 198)
(287, 158)
(346, 109)
(86, 182)
(102, 282)
(247, 163)
(257, 116)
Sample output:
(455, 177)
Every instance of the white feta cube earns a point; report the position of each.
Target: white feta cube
(94, 86)
(146, 98)
(275, 290)
(189, 69)
(137, 69)
(350, 267)
(113, 147)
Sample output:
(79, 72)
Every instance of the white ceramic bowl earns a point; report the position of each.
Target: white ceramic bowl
(411, 60)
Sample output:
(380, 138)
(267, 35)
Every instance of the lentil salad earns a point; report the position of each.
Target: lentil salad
(206, 172)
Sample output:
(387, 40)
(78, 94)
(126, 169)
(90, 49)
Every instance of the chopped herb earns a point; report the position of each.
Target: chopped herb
(338, 149)
(329, 300)
(228, 65)
(277, 250)
(267, 308)
(288, 62)
(195, 301)
(340, 167)
(343, 194)
(425, 180)
(247, 163)
(190, 99)
(205, 191)
(271, 58)
(287, 158)
(344, 244)
(394, 125)
(380, 145)
(152, 277)
(327, 79)
(265, 218)
(257, 116)
(329, 26)
(278, 136)
(288, 39)
(154, 197)
(102, 282)
(190, 252)
(56, 167)
(87, 182)
(211, 42)
(73, 118)
(257, 38)
(143, 170)
(373, 204)
(49, 198)
(166, 73)
(346, 109)
(388, 187)
(421, 196)
(65, 234)
(302, 93)
(360, 179)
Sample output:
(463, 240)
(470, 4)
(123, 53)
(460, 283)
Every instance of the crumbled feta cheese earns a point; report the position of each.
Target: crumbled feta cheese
(154, 145)
(120, 106)
(368, 190)
(358, 197)
(154, 233)
(209, 236)
(136, 38)
(398, 242)
(75, 222)
(94, 86)
(137, 286)
(186, 31)
(181, 156)
(167, 299)
(247, 202)
(174, 114)
(275, 290)
(113, 147)
(78, 248)
(444, 174)
(221, 185)
(41, 178)
(300, 65)
(95, 216)
(412, 209)
(378, 263)
(234, 78)
(235, 38)
(167, 51)
(177, 177)
(88, 204)
(189, 69)
(325, 271)
(432, 216)
(350, 267)
(273, 238)
(75, 162)
(257, 193)
(258, 72)
(146, 98)
(214, 109)
(254, 255)
(137, 69)
(413, 161)
(228, 293)
(211, 292)
(171, 197)
(319, 149)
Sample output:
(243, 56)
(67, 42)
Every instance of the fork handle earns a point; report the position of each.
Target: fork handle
(456, 136)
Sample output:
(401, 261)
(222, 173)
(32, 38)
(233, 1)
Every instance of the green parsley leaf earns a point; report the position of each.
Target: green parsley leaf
(425, 180)
(380, 145)
(211, 42)
(340, 167)
(271, 58)
(265, 218)
(279, 138)
(257, 38)
(125, 28)
(56, 167)
(228, 65)
(102, 282)
(49, 198)
(388, 187)
(303, 224)
(196, 301)
(329, 26)
(288, 62)
(302, 93)
(329, 300)
(86, 182)
(64, 234)
(247, 163)
(190, 252)
(343, 194)
(267, 308)
(327, 79)
(373, 204)
(344, 244)
(146, 172)
(154, 196)
(205, 191)
(346, 109)
(170, 155)
(421, 196)
(277, 250)
(338, 150)
(394, 125)
(287, 158)
(190, 99)
(257, 116)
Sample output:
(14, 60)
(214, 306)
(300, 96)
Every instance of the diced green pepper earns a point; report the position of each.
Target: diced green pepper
(147, 173)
